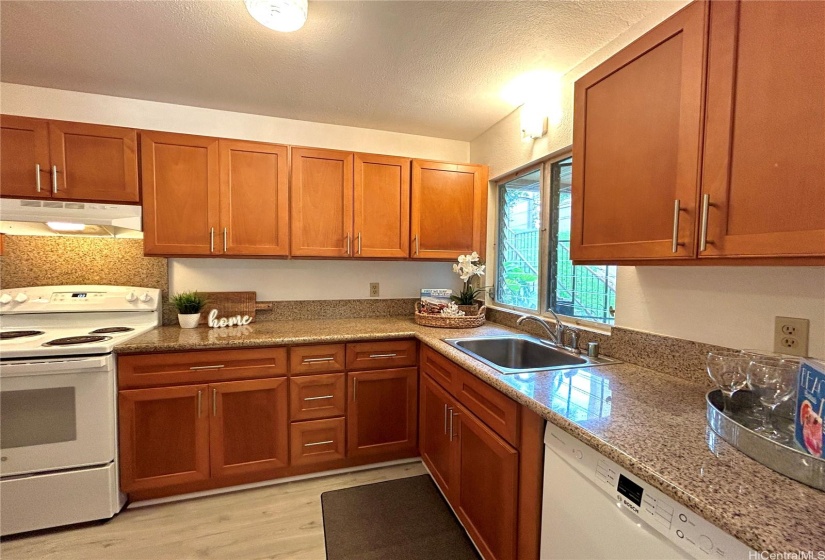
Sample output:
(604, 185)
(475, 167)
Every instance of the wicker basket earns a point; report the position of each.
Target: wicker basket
(447, 322)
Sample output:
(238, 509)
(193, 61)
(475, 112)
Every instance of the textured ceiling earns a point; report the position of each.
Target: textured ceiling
(431, 68)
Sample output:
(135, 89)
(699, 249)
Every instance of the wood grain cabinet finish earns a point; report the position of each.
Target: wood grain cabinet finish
(448, 209)
(249, 426)
(636, 141)
(381, 354)
(67, 160)
(382, 412)
(317, 358)
(254, 195)
(381, 212)
(764, 156)
(435, 441)
(317, 396)
(164, 437)
(321, 203)
(181, 192)
(176, 368)
(317, 441)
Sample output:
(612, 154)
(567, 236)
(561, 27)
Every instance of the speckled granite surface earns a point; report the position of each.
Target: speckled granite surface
(650, 423)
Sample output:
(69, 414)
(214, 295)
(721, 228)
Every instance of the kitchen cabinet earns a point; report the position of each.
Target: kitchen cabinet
(636, 141)
(68, 161)
(349, 205)
(763, 176)
(448, 209)
(317, 396)
(254, 193)
(249, 426)
(318, 441)
(435, 443)
(382, 414)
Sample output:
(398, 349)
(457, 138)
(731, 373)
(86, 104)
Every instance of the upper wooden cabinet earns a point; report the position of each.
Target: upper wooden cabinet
(381, 206)
(180, 194)
(449, 209)
(204, 196)
(636, 142)
(763, 178)
(67, 160)
(705, 139)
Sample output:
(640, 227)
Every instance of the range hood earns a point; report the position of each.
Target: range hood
(115, 216)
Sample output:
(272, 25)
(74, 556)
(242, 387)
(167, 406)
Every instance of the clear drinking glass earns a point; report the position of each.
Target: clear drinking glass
(729, 371)
(773, 381)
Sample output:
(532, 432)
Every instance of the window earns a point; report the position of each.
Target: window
(534, 270)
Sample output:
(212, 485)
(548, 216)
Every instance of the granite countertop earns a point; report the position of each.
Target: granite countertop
(648, 422)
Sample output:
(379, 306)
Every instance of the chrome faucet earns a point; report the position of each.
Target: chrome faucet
(556, 335)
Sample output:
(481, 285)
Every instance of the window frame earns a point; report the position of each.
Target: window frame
(545, 240)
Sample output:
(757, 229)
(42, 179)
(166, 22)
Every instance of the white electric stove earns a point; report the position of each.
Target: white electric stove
(58, 396)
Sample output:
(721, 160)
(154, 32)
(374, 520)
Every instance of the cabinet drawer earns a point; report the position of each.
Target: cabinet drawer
(381, 355)
(317, 396)
(493, 407)
(317, 441)
(440, 368)
(176, 368)
(318, 358)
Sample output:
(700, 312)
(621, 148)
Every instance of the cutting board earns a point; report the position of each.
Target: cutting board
(228, 304)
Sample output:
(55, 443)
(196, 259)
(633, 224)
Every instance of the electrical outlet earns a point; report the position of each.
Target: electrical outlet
(790, 336)
(373, 289)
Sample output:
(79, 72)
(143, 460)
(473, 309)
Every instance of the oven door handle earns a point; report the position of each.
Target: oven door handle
(48, 367)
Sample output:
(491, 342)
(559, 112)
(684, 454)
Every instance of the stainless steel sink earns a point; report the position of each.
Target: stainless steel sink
(523, 353)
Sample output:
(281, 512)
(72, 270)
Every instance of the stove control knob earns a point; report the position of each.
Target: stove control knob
(131, 297)
(4, 299)
(145, 297)
(21, 297)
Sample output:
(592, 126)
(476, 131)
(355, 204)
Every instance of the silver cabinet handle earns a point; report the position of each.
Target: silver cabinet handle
(348, 245)
(319, 443)
(445, 418)
(318, 398)
(316, 360)
(200, 402)
(451, 424)
(376, 356)
(214, 402)
(216, 366)
(676, 209)
(54, 179)
(355, 389)
(703, 236)
(37, 176)
(224, 240)
(211, 240)
(359, 243)
(415, 245)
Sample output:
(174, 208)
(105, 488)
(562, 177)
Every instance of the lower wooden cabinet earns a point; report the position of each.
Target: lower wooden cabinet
(317, 441)
(435, 443)
(382, 413)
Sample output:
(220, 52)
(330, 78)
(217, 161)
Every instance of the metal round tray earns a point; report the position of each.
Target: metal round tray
(784, 459)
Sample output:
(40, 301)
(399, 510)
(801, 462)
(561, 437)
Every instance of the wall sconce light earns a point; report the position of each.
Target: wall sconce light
(533, 121)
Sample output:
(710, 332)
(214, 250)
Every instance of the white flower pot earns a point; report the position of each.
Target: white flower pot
(189, 320)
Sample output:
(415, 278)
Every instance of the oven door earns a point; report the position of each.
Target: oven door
(56, 414)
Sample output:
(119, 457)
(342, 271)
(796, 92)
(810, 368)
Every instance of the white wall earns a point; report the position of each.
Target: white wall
(272, 279)
(730, 306)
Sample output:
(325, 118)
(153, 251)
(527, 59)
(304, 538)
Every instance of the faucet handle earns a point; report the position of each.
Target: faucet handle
(574, 341)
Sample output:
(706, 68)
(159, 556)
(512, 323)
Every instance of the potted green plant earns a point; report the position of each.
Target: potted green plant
(468, 267)
(189, 306)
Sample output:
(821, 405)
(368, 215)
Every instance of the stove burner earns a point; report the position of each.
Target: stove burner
(106, 330)
(10, 335)
(72, 340)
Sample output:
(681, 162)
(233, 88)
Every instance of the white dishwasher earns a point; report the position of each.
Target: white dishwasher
(592, 509)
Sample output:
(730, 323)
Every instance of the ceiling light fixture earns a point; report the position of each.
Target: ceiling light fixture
(278, 15)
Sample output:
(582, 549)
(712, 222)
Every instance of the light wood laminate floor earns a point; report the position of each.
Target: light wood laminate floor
(282, 521)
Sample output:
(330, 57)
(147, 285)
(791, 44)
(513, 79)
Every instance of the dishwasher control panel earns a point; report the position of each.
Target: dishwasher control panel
(693, 534)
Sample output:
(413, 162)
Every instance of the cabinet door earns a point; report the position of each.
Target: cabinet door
(180, 194)
(437, 450)
(382, 206)
(254, 198)
(317, 396)
(636, 139)
(24, 157)
(321, 203)
(382, 412)
(94, 162)
(249, 427)
(164, 437)
(449, 209)
(764, 159)
(487, 491)
(317, 441)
